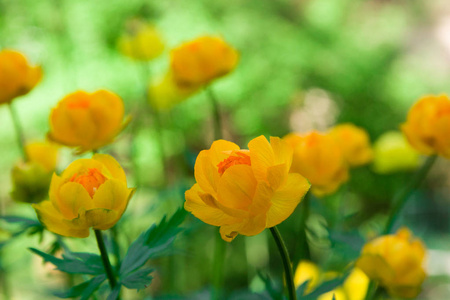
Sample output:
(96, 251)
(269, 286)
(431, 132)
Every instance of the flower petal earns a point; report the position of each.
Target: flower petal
(113, 194)
(98, 218)
(73, 197)
(262, 156)
(236, 187)
(112, 165)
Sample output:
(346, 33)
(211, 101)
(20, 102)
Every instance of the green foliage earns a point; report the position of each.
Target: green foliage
(85, 289)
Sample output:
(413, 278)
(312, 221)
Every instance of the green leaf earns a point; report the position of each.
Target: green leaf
(274, 293)
(301, 290)
(114, 293)
(326, 287)
(85, 289)
(138, 280)
(77, 263)
(152, 243)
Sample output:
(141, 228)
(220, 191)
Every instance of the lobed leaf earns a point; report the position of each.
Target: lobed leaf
(85, 289)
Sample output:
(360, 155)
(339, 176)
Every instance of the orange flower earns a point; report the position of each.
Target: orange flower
(396, 262)
(320, 159)
(89, 193)
(87, 121)
(354, 142)
(17, 78)
(245, 191)
(427, 127)
(202, 60)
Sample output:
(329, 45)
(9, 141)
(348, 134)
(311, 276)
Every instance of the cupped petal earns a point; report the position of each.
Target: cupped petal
(376, 267)
(262, 156)
(98, 218)
(206, 173)
(55, 184)
(55, 222)
(286, 198)
(276, 175)
(112, 166)
(207, 212)
(249, 227)
(237, 187)
(73, 198)
(80, 166)
(106, 111)
(282, 152)
(113, 194)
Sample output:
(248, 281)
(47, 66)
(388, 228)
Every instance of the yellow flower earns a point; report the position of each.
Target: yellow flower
(202, 60)
(305, 271)
(89, 193)
(356, 285)
(396, 262)
(141, 41)
(355, 143)
(393, 153)
(17, 77)
(245, 191)
(165, 93)
(427, 126)
(43, 153)
(319, 158)
(87, 121)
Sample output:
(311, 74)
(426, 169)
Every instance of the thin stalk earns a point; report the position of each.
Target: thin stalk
(217, 119)
(218, 267)
(371, 290)
(286, 262)
(304, 251)
(401, 198)
(19, 131)
(105, 259)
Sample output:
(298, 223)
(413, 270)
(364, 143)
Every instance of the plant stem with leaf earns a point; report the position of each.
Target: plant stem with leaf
(286, 263)
(401, 198)
(104, 255)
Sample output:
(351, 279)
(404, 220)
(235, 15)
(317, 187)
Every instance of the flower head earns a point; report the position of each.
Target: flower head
(89, 193)
(141, 41)
(87, 121)
(396, 262)
(320, 159)
(427, 126)
(354, 142)
(17, 77)
(198, 62)
(393, 153)
(245, 191)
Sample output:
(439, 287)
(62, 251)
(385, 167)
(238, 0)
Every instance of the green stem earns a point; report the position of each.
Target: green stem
(401, 198)
(105, 259)
(286, 262)
(304, 251)
(19, 131)
(218, 267)
(216, 114)
(371, 290)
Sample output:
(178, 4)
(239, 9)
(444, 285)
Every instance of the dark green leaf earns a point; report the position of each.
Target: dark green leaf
(302, 289)
(274, 293)
(138, 280)
(151, 243)
(325, 287)
(84, 289)
(80, 263)
(114, 293)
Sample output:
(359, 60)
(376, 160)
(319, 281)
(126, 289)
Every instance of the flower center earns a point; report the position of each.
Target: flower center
(90, 180)
(80, 104)
(236, 158)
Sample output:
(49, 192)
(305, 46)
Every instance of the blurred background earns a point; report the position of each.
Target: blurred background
(304, 64)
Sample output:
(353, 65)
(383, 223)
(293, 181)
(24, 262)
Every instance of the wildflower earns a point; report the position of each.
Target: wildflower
(89, 193)
(17, 77)
(198, 62)
(87, 121)
(141, 41)
(320, 159)
(245, 191)
(427, 126)
(354, 142)
(396, 262)
(393, 153)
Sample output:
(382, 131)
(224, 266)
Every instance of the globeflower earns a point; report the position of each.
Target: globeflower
(427, 126)
(17, 77)
(320, 159)
(396, 262)
(141, 41)
(89, 193)
(393, 153)
(87, 121)
(245, 191)
(198, 62)
(354, 142)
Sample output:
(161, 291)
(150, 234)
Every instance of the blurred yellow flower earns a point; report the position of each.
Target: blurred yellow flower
(31, 179)
(427, 126)
(141, 41)
(354, 288)
(17, 77)
(198, 62)
(165, 93)
(355, 143)
(87, 121)
(320, 159)
(396, 262)
(393, 153)
(245, 191)
(89, 193)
